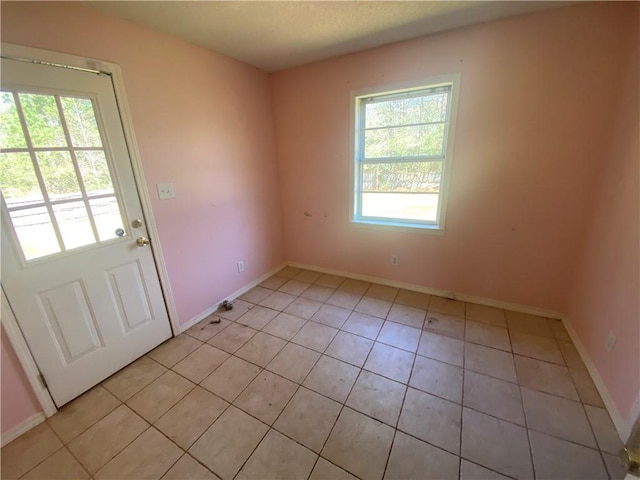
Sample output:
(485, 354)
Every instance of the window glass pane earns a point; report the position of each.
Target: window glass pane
(402, 206)
(424, 109)
(106, 214)
(402, 177)
(94, 171)
(35, 232)
(59, 175)
(43, 120)
(407, 191)
(11, 134)
(74, 224)
(404, 141)
(18, 179)
(81, 121)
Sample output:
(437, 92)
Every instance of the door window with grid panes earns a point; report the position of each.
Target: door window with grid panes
(54, 173)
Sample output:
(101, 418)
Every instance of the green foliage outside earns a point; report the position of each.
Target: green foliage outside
(10, 129)
(58, 173)
(406, 111)
(18, 179)
(43, 121)
(17, 176)
(405, 141)
(94, 171)
(81, 121)
(402, 177)
(415, 141)
(397, 140)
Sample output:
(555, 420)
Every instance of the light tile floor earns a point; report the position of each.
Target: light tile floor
(321, 377)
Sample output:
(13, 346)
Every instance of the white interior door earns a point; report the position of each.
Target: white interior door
(76, 267)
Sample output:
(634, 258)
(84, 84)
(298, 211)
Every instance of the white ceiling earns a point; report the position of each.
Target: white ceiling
(274, 35)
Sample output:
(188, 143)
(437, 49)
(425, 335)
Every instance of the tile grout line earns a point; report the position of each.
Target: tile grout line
(102, 384)
(347, 362)
(524, 414)
(406, 389)
(294, 394)
(437, 333)
(254, 449)
(393, 441)
(184, 452)
(343, 404)
(229, 404)
(464, 348)
(493, 470)
(66, 445)
(61, 447)
(404, 397)
(152, 424)
(362, 368)
(124, 448)
(475, 410)
(271, 427)
(362, 413)
(386, 319)
(593, 433)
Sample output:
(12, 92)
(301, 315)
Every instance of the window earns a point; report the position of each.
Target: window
(54, 173)
(402, 150)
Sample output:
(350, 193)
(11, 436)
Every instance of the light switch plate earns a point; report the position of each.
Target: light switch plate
(165, 191)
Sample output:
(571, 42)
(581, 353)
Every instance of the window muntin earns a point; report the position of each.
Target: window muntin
(401, 149)
(54, 173)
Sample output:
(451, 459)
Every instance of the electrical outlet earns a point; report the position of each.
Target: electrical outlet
(165, 191)
(611, 342)
(394, 260)
(240, 266)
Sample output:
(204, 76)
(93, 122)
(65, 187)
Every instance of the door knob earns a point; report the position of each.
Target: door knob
(142, 242)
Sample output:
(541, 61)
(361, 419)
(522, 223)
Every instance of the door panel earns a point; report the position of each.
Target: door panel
(85, 295)
(130, 295)
(66, 308)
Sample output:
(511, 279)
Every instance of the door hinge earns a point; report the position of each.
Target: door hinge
(43, 382)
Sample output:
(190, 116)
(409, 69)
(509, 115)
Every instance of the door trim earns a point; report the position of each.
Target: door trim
(17, 340)
(19, 344)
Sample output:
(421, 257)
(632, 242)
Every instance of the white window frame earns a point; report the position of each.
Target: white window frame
(357, 147)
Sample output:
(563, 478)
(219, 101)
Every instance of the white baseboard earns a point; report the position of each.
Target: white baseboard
(27, 361)
(623, 425)
(515, 307)
(202, 315)
(22, 428)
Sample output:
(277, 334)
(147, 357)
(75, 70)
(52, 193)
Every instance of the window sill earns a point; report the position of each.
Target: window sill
(398, 226)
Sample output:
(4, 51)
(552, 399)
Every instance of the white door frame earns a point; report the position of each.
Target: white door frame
(7, 318)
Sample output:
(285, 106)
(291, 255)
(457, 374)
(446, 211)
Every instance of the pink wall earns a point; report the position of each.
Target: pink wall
(533, 119)
(203, 122)
(537, 133)
(606, 288)
(18, 400)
